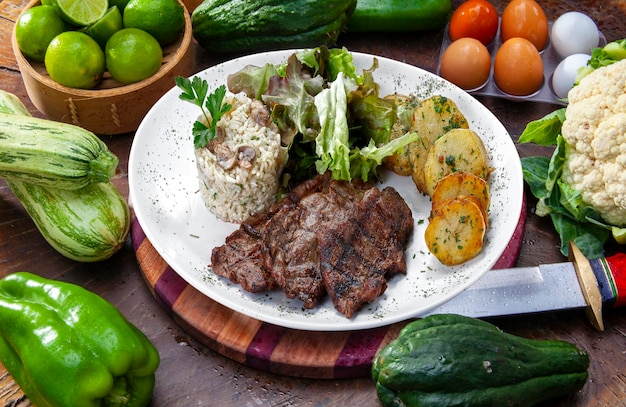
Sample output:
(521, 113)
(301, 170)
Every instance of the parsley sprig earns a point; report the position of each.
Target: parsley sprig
(212, 106)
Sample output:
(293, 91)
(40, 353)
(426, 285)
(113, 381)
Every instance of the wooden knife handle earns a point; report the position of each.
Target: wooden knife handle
(611, 275)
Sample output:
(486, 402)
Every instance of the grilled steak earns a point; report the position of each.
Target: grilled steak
(240, 259)
(290, 239)
(359, 254)
(326, 236)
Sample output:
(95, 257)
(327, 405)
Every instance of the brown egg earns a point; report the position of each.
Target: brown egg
(526, 19)
(466, 63)
(518, 68)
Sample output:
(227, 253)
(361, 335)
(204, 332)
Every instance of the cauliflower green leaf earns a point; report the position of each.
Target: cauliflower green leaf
(612, 52)
(573, 219)
(545, 130)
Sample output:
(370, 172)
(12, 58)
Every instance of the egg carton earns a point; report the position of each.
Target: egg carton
(549, 56)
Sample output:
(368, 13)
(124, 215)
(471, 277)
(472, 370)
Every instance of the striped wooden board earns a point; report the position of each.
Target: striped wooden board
(266, 346)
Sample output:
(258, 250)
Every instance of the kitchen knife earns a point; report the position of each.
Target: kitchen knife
(577, 283)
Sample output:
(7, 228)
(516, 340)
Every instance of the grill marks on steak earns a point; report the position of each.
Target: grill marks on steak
(241, 258)
(290, 239)
(326, 236)
(360, 254)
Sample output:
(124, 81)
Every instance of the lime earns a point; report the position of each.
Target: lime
(164, 19)
(104, 28)
(35, 28)
(81, 12)
(132, 55)
(75, 59)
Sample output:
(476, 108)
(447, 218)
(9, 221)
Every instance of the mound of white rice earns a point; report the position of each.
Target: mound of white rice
(248, 187)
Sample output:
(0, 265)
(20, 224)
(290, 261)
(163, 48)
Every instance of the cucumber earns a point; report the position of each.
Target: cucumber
(87, 224)
(255, 25)
(399, 15)
(53, 154)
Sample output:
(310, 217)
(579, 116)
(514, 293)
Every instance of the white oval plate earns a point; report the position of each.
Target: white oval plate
(164, 194)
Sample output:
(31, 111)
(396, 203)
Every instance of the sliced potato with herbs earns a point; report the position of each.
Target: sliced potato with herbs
(457, 150)
(462, 183)
(432, 118)
(456, 230)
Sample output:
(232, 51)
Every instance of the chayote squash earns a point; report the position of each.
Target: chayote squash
(452, 360)
(237, 26)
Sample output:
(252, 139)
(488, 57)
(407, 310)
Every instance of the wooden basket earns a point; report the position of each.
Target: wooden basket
(112, 107)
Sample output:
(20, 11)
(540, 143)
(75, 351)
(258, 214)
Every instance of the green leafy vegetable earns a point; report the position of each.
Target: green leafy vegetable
(612, 52)
(364, 161)
(329, 62)
(545, 130)
(292, 96)
(332, 141)
(212, 106)
(318, 97)
(363, 101)
(535, 172)
(252, 80)
(588, 236)
(572, 218)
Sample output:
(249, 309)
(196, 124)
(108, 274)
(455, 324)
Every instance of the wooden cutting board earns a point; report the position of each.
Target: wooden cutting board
(266, 346)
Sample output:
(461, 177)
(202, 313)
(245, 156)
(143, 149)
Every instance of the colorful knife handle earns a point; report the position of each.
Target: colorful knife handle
(611, 275)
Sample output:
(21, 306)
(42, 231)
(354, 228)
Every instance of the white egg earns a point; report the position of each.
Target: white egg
(565, 73)
(574, 33)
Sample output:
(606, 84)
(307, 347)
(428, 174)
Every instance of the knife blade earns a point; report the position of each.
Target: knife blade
(578, 283)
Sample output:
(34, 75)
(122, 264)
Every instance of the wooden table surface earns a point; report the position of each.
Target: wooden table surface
(193, 374)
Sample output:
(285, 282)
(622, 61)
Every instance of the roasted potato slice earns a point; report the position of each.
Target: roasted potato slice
(432, 118)
(456, 230)
(462, 183)
(457, 150)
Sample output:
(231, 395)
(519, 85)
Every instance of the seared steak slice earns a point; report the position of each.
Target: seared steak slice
(241, 261)
(290, 239)
(359, 254)
(292, 258)
(240, 258)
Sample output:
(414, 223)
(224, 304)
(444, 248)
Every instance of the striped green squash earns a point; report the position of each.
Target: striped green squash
(87, 225)
(50, 153)
(11, 104)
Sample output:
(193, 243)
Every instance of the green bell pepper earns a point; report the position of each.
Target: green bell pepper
(66, 346)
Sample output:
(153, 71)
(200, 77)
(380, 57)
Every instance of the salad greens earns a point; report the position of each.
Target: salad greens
(331, 117)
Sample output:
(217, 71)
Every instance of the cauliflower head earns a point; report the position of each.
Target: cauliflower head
(594, 131)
